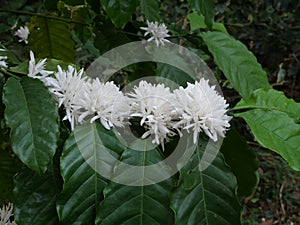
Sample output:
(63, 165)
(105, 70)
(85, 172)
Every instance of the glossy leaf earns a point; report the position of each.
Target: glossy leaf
(35, 198)
(31, 113)
(206, 197)
(124, 204)
(50, 38)
(150, 9)
(205, 8)
(274, 121)
(119, 11)
(243, 162)
(238, 64)
(83, 186)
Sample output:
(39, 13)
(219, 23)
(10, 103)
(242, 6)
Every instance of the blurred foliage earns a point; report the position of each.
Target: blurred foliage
(271, 30)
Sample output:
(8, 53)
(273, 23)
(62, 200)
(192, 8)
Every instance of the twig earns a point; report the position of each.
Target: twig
(281, 201)
(41, 15)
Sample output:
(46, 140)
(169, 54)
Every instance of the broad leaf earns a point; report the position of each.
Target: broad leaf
(205, 8)
(271, 100)
(197, 22)
(8, 168)
(150, 9)
(243, 162)
(83, 186)
(50, 38)
(144, 204)
(274, 121)
(35, 198)
(31, 113)
(119, 11)
(238, 64)
(206, 197)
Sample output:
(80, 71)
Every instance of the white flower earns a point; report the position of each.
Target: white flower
(37, 70)
(202, 109)
(154, 104)
(66, 88)
(158, 32)
(6, 212)
(2, 61)
(23, 33)
(103, 101)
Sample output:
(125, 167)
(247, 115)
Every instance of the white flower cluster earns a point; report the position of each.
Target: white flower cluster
(6, 212)
(158, 33)
(163, 113)
(23, 33)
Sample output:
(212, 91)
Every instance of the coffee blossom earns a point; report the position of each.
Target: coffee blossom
(158, 32)
(2, 61)
(23, 33)
(103, 101)
(201, 108)
(6, 213)
(37, 70)
(154, 104)
(67, 87)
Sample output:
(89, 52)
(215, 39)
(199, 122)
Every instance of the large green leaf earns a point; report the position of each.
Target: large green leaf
(50, 38)
(243, 162)
(205, 8)
(35, 198)
(31, 113)
(206, 197)
(125, 204)
(119, 11)
(8, 168)
(150, 9)
(274, 121)
(83, 186)
(238, 64)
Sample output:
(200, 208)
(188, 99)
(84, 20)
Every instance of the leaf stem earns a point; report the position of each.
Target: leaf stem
(8, 73)
(41, 15)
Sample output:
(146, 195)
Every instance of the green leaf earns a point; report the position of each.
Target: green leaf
(124, 204)
(35, 198)
(119, 11)
(206, 197)
(243, 162)
(197, 22)
(108, 37)
(8, 168)
(205, 8)
(274, 121)
(50, 38)
(150, 9)
(31, 113)
(238, 64)
(83, 186)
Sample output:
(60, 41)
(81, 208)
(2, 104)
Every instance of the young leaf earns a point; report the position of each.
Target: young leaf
(31, 113)
(119, 11)
(83, 186)
(243, 162)
(274, 121)
(150, 9)
(35, 198)
(206, 197)
(50, 38)
(205, 8)
(238, 64)
(124, 204)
